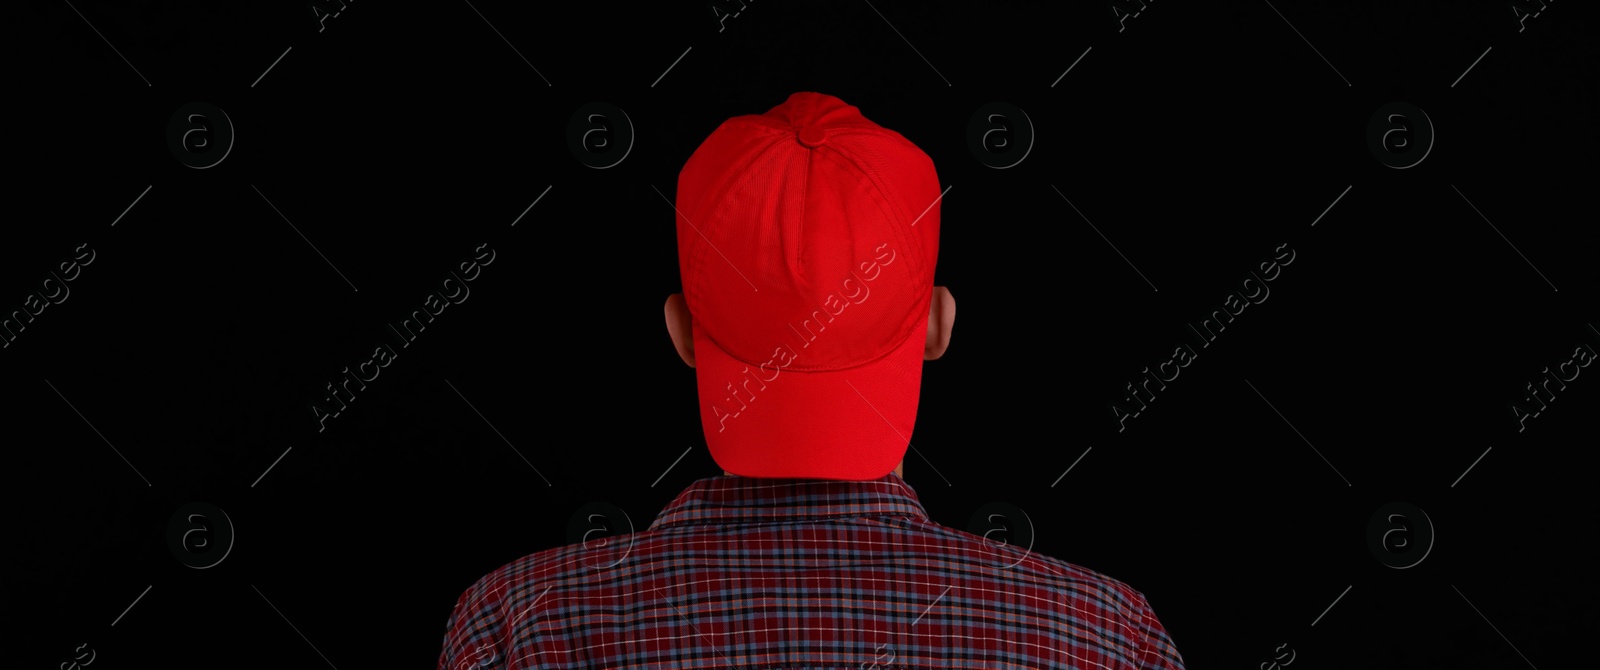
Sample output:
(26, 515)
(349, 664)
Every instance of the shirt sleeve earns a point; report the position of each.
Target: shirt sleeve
(1156, 651)
(472, 634)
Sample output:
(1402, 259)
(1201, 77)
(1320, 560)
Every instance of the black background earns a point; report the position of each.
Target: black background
(1196, 140)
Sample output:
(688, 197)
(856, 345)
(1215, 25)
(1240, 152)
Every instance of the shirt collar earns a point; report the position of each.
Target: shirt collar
(731, 499)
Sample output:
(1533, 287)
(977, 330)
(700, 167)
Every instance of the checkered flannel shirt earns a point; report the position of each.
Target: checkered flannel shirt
(755, 573)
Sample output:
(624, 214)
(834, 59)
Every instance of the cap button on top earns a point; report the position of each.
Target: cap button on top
(812, 136)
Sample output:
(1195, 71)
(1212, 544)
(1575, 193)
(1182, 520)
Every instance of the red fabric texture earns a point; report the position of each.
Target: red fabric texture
(807, 240)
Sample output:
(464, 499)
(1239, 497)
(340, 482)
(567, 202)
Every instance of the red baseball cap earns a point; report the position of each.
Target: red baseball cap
(807, 239)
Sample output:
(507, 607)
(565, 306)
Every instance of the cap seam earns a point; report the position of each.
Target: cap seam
(698, 254)
(805, 182)
(882, 187)
(900, 233)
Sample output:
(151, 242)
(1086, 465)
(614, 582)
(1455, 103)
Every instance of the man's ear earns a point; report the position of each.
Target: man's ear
(941, 318)
(680, 328)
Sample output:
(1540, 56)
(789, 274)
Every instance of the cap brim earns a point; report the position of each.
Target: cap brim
(850, 424)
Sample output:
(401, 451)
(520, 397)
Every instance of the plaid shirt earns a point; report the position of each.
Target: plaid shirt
(742, 572)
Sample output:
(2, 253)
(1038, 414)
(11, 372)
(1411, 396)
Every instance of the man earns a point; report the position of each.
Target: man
(807, 238)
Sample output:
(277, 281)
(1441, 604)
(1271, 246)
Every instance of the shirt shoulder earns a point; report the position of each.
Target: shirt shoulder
(1025, 566)
(475, 634)
(1076, 596)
